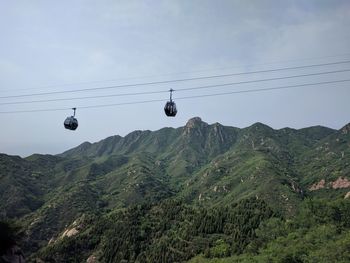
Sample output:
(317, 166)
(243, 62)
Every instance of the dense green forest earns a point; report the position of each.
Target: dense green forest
(198, 193)
(247, 231)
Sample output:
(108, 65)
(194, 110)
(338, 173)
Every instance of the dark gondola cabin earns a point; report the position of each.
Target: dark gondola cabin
(170, 107)
(71, 123)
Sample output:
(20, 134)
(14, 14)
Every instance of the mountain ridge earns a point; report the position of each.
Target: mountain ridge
(203, 165)
(195, 122)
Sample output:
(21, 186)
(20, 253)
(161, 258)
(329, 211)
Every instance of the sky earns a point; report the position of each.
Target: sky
(62, 46)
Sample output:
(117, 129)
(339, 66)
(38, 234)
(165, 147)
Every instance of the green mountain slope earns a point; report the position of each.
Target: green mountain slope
(201, 166)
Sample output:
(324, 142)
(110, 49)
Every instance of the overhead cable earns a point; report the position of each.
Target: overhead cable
(182, 98)
(86, 97)
(184, 80)
(178, 73)
(180, 89)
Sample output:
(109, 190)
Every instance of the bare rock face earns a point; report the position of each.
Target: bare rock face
(347, 195)
(194, 125)
(51, 241)
(340, 183)
(70, 232)
(200, 197)
(317, 186)
(196, 121)
(73, 229)
(92, 259)
(345, 129)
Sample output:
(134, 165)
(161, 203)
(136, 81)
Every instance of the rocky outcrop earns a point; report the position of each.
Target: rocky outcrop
(92, 259)
(195, 126)
(70, 232)
(73, 229)
(340, 183)
(345, 129)
(317, 186)
(196, 121)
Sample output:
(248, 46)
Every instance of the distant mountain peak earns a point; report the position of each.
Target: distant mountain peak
(85, 144)
(195, 126)
(260, 126)
(195, 121)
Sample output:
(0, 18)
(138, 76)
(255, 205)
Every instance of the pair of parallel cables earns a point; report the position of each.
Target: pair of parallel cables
(310, 84)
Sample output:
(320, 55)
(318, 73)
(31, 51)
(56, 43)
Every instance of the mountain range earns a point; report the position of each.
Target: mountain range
(59, 198)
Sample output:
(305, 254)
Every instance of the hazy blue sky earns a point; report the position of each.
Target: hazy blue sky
(67, 45)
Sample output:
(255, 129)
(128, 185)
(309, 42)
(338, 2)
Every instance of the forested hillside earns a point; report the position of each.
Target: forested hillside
(198, 193)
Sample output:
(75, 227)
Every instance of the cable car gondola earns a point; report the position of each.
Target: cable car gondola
(170, 107)
(71, 123)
